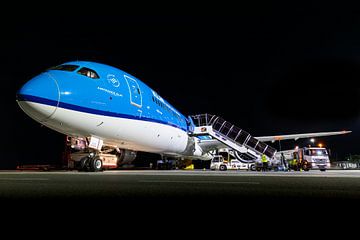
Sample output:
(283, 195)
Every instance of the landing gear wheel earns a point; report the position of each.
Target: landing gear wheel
(96, 164)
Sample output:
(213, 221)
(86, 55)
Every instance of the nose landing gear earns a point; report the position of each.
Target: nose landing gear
(91, 163)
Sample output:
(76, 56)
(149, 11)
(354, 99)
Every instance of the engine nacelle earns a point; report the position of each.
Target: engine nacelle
(125, 156)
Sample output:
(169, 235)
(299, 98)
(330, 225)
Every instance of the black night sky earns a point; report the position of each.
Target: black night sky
(269, 70)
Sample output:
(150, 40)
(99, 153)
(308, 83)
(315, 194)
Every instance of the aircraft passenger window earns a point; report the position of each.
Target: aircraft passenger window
(88, 73)
(65, 67)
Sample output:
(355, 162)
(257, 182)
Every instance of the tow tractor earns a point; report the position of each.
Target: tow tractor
(77, 155)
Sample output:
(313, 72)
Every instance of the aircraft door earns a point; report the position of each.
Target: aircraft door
(134, 91)
(190, 124)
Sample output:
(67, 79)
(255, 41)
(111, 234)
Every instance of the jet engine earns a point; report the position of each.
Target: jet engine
(125, 156)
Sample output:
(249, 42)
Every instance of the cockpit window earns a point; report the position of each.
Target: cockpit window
(65, 67)
(88, 73)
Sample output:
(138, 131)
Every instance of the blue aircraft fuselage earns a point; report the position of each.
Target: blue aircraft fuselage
(103, 90)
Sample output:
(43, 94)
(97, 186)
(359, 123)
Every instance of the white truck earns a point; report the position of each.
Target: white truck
(218, 163)
(306, 158)
(317, 157)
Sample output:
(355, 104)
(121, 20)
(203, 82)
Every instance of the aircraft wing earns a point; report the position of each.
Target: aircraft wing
(297, 136)
(208, 143)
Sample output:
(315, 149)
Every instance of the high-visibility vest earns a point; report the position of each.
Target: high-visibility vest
(263, 158)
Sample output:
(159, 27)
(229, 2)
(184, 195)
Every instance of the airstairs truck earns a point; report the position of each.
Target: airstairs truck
(219, 163)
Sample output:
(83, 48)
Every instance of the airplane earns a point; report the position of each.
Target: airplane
(113, 110)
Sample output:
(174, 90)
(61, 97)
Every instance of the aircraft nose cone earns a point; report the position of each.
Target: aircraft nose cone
(39, 97)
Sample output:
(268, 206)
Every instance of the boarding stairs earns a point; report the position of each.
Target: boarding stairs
(229, 134)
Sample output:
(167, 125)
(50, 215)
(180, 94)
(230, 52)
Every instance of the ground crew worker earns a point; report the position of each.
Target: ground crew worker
(264, 162)
(294, 164)
(283, 162)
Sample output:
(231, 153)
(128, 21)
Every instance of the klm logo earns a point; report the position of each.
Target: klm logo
(113, 80)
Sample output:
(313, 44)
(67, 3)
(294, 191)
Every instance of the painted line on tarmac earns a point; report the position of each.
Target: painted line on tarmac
(217, 182)
(23, 179)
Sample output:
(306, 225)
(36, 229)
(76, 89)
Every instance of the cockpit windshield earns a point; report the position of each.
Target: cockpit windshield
(65, 67)
(88, 73)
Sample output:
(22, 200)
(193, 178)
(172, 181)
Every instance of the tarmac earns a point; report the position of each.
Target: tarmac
(191, 200)
(162, 186)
